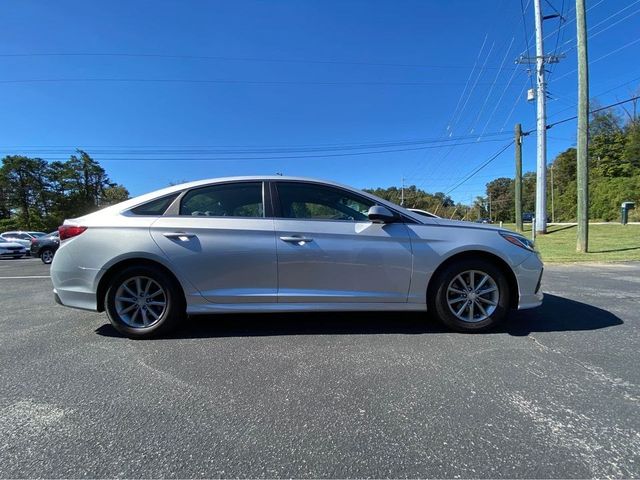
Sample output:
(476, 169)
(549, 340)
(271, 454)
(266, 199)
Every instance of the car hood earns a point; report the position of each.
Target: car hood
(462, 224)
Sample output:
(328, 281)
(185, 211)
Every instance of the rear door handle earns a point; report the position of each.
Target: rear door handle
(182, 236)
(296, 239)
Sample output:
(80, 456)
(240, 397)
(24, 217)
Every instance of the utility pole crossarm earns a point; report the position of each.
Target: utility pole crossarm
(523, 59)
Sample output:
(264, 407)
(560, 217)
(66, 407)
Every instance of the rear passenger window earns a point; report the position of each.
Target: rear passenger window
(225, 200)
(155, 207)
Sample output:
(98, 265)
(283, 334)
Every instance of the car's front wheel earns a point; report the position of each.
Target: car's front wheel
(143, 301)
(471, 295)
(46, 256)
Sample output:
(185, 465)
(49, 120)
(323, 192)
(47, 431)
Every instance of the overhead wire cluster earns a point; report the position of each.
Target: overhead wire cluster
(467, 125)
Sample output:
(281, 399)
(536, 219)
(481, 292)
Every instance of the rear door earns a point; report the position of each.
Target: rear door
(328, 250)
(220, 239)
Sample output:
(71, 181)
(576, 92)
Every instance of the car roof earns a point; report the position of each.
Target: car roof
(141, 199)
(17, 231)
(135, 201)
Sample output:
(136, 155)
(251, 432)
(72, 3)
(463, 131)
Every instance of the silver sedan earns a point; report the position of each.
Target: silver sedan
(282, 244)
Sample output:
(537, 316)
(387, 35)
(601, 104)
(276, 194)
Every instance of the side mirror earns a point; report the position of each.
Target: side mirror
(380, 214)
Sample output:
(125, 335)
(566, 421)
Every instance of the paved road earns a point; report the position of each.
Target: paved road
(554, 394)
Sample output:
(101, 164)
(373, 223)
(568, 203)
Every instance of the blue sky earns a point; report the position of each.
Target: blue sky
(296, 75)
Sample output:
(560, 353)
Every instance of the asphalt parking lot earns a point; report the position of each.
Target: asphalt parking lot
(555, 393)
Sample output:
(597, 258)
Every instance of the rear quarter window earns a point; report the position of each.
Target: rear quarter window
(155, 207)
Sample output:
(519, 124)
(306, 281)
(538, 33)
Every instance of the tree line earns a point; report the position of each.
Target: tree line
(39, 195)
(614, 175)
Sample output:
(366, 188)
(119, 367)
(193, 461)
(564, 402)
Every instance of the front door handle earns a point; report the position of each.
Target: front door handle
(296, 239)
(182, 236)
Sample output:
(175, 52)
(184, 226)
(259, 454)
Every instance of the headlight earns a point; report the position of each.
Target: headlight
(518, 240)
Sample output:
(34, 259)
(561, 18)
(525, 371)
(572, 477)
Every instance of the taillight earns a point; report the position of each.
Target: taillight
(69, 231)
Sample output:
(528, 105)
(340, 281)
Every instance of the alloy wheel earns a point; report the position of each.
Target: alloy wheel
(47, 256)
(473, 296)
(140, 302)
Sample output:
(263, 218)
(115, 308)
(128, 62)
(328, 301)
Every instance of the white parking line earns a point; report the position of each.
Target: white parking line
(20, 278)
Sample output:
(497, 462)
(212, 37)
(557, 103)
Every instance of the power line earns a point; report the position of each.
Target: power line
(493, 84)
(234, 59)
(464, 90)
(518, 98)
(479, 167)
(549, 35)
(287, 157)
(561, 21)
(633, 80)
(602, 57)
(224, 82)
(609, 25)
(526, 35)
(565, 120)
(241, 149)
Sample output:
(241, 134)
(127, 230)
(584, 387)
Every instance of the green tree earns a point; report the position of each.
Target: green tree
(501, 191)
(35, 194)
(25, 188)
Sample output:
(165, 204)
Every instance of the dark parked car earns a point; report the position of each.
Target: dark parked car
(45, 247)
(527, 217)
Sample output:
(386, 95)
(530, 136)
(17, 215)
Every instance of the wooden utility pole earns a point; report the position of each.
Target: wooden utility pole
(582, 168)
(553, 207)
(518, 180)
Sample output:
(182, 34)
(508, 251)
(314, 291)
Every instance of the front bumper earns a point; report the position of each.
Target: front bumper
(529, 275)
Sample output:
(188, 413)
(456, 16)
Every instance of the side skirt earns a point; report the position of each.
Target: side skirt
(200, 309)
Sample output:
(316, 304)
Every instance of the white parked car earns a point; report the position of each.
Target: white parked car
(424, 213)
(21, 237)
(275, 244)
(12, 250)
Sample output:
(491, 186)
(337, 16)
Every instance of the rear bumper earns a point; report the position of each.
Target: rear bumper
(74, 299)
(13, 253)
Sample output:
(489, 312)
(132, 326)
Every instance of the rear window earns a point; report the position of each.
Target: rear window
(155, 207)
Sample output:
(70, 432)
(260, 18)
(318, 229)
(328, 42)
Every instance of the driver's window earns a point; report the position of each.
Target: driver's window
(307, 200)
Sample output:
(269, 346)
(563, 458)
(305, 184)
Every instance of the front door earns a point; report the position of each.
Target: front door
(328, 250)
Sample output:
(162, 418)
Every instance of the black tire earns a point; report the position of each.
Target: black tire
(167, 318)
(46, 255)
(442, 296)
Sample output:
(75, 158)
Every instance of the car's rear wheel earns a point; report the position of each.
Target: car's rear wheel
(143, 301)
(471, 296)
(46, 256)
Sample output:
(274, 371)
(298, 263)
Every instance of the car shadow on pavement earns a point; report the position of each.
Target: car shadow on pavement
(557, 314)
